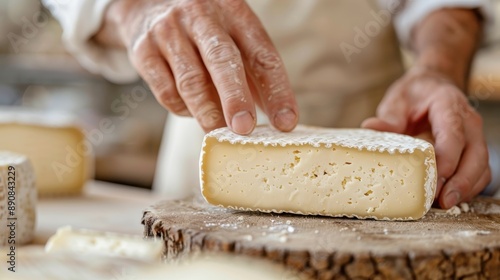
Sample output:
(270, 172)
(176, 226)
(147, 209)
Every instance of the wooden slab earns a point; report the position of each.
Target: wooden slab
(439, 246)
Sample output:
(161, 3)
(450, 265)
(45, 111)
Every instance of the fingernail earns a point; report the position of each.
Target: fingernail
(243, 123)
(285, 119)
(452, 199)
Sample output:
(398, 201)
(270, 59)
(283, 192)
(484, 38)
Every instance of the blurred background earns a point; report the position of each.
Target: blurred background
(37, 72)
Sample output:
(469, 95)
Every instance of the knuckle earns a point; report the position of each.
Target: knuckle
(165, 23)
(446, 169)
(165, 89)
(445, 137)
(174, 103)
(223, 54)
(168, 97)
(149, 64)
(191, 5)
(140, 48)
(455, 134)
(279, 89)
(232, 96)
(266, 59)
(162, 24)
(209, 115)
(463, 184)
(233, 5)
(453, 118)
(192, 83)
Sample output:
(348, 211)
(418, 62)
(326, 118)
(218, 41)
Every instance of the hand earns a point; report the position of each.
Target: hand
(423, 101)
(209, 59)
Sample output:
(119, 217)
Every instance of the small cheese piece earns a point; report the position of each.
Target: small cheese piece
(318, 171)
(57, 147)
(17, 199)
(105, 244)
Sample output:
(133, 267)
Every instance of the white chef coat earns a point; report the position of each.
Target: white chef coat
(340, 56)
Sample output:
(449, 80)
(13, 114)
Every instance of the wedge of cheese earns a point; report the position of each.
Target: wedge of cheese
(17, 200)
(61, 155)
(317, 171)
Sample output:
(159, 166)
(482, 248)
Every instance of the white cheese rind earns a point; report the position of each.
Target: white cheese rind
(317, 171)
(17, 185)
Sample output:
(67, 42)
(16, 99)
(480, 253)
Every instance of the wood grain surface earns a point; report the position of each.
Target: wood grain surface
(439, 246)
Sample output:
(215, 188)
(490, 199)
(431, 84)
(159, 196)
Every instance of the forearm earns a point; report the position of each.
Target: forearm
(445, 42)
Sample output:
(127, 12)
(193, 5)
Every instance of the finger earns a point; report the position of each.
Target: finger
(265, 64)
(224, 63)
(252, 84)
(192, 80)
(484, 180)
(447, 127)
(392, 113)
(473, 164)
(153, 68)
(460, 186)
(379, 124)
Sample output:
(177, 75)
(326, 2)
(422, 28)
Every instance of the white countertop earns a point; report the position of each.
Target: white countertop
(102, 206)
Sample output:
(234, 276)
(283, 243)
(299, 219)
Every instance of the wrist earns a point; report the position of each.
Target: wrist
(445, 42)
(114, 31)
(443, 61)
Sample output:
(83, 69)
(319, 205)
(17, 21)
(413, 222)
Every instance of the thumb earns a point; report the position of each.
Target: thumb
(391, 116)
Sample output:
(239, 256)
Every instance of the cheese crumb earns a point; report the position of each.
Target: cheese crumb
(464, 206)
(455, 210)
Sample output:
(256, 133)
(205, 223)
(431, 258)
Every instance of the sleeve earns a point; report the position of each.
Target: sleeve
(80, 20)
(411, 12)
(493, 187)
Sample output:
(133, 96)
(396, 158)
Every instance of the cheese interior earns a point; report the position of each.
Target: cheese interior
(335, 181)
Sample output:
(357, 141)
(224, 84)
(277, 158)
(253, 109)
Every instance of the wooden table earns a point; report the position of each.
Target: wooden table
(186, 227)
(439, 246)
